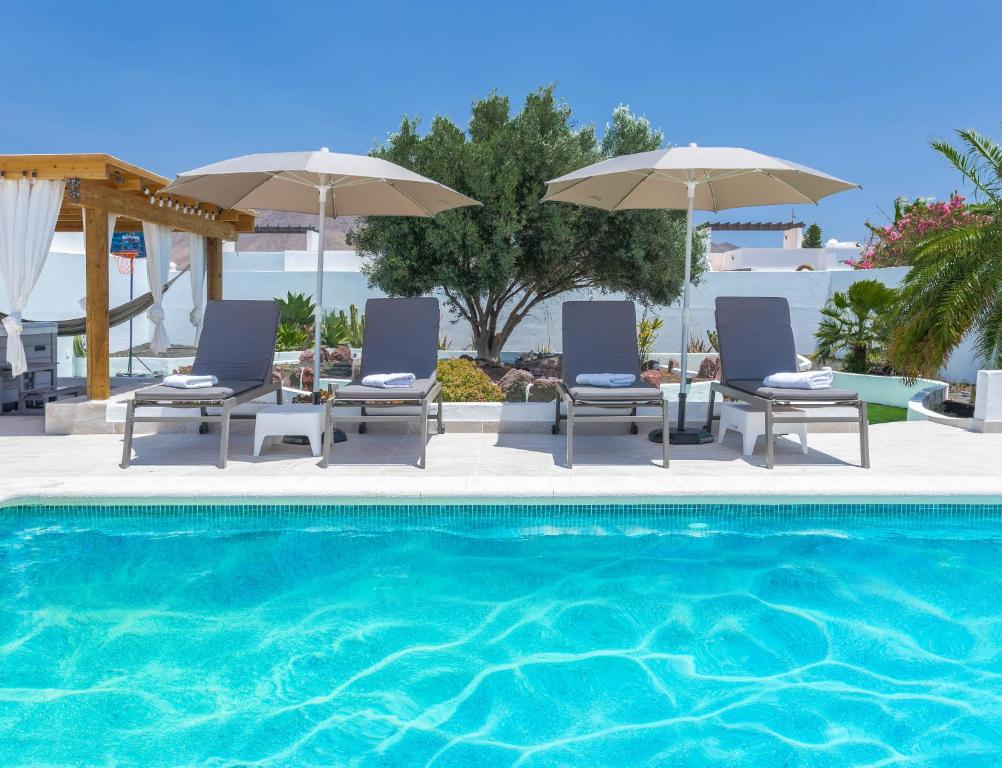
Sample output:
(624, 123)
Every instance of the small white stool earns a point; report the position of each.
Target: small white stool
(282, 420)
(750, 422)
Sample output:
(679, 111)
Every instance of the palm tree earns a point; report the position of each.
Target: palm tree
(955, 285)
(854, 324)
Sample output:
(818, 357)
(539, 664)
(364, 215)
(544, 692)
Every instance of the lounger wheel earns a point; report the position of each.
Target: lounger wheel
(634, 429)
(554, 429)
(362, 429)
(203, 428)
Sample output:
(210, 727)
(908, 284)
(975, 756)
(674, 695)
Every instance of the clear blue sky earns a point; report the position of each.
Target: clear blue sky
(855, 89)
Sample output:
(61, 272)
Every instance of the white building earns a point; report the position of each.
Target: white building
(791, 257)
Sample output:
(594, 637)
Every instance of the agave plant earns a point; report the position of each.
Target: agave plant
(955, 285)
(291, 337)
(334, 331)
(296, 309)
(855, 325)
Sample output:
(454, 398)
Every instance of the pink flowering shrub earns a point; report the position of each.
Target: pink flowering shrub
(894, 245)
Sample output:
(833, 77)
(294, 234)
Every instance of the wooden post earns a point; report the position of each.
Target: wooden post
(213, 268)
(96, 227)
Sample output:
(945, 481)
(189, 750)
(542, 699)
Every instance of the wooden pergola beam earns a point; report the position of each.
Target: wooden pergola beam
(91, 194)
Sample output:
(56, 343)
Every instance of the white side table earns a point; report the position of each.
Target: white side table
(282, 420)
(750, 422)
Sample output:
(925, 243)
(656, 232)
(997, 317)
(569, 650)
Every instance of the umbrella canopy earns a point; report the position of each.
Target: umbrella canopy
(724, 177)
(322, 182)
(692, 178)
(288, 181)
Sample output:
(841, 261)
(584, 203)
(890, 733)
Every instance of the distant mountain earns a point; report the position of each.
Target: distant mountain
(723, 247)
(335, 232)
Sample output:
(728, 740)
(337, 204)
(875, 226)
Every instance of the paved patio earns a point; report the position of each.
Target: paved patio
(918, 459)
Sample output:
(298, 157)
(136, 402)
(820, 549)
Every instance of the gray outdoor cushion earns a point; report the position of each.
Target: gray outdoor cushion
(416, 391)
(238, 340)
(615, 393)
(401, 336)
(221, 392)
(599, 337)
(755, 337)
(754, 387)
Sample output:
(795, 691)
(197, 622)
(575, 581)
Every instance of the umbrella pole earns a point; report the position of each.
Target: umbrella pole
(680, 435)
(319, 309)
(683, 390)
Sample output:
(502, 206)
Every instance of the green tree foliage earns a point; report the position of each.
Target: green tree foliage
(812, 237)
(855, 325)
(495, 263)
(954, 287)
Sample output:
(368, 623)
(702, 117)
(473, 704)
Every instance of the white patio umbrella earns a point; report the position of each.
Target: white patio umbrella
(690, 178)
(323, 182)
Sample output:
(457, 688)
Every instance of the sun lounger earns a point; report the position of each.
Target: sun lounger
(756, 340)
(401, 336)
(601, 337)
(237, 346)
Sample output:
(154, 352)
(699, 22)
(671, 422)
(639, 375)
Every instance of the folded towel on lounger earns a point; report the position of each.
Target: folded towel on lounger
(388, 380)
(188, 381)
(802, 380)
(605, 379)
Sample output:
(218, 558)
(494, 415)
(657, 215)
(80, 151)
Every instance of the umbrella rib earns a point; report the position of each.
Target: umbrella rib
(811, 200)
(633, 189)
(398, 189)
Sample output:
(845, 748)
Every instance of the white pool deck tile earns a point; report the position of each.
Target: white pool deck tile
(909, 459)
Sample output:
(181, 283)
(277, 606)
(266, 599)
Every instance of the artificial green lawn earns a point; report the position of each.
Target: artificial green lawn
(882, 414)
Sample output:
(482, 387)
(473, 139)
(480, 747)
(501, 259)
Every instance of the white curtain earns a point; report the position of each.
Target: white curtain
(29, 209)
(196, 260)
(158, 247)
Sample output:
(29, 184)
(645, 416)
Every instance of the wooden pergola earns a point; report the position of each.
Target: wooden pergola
(99, 184)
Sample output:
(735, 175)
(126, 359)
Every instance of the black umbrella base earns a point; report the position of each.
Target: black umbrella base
(687, 436)
(339, 437)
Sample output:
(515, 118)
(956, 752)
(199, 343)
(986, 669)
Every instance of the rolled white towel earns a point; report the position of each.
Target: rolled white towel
(388, 380)
(605, 379)
(189, 381)
(801, 380)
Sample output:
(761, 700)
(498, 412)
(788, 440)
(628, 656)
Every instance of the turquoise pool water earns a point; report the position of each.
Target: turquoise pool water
(501, 636)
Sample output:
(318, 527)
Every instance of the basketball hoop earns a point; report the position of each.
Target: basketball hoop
(125, 261)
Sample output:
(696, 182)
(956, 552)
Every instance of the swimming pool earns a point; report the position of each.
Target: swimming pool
(501, 635)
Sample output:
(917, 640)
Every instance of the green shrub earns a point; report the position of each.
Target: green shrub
(291, 337)
(463, 382)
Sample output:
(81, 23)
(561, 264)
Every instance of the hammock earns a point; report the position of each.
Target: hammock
(123, 313)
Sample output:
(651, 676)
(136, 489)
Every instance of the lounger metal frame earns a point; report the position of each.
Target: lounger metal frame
(434, 394)
(225, 404)
(769, 406)
(570, 403)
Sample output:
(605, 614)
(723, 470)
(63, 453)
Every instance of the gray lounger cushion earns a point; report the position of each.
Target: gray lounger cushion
(237, 346)
(207, 394)
(755, 337)
(615, 393)
(416, 391)
(401, 336)
(754, 387)
(600, 337)
(756, 340)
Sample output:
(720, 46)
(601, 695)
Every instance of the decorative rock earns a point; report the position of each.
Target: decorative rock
(515, 385)
(543, 390)
(656, 377)
(541, 366)
(709, 368)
